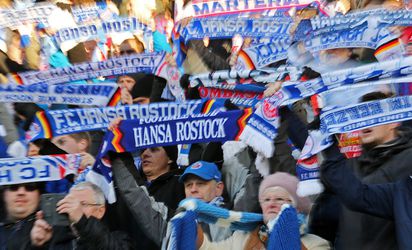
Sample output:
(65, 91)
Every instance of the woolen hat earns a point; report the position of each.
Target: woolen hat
(290, 184)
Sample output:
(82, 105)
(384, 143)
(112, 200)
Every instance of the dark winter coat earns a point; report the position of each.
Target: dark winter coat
(13, 235)
(385, 163)
(390, 201)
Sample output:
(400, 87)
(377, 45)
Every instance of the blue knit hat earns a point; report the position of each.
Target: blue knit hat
(204, 170)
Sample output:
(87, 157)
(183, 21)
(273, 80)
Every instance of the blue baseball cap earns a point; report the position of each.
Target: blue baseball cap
(204, 170)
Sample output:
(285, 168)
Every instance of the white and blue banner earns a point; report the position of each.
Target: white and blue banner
(366, 115)
(149, 63)
(222, 27)
(38, 13)
(204, 8)
(76, 94)
(66, 121)
(84, 32)
(39, 168)
(264, 54)
(371, 18)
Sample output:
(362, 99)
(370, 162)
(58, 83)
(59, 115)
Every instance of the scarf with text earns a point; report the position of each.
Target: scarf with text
(132, 135)
(266, 117)
(100, 94)
(149, 63)
(39, 168)
(47, 124)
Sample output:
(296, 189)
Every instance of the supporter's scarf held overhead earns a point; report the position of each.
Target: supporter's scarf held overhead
(366, 115)
(39, 168)
(205, 8)
(264, 122)
(99, 94)
(149, 63)
(223, 27)
(283, 231)
(47, 124)
(84, 32)
(132, 135)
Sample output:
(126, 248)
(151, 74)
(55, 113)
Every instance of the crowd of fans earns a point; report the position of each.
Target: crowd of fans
(369, 209)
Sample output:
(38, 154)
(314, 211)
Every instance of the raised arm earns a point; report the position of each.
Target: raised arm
(149, 214)
(372, 199)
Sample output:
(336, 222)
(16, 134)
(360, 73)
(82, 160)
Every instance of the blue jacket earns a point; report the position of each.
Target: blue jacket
(389, 201)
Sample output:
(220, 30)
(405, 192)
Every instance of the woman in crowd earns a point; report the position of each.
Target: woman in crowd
(274, 191)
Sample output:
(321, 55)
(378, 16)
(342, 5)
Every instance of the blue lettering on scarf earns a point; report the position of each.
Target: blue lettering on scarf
(84, 90)
(5, 175)
(399, 103)
(201, 129)
(33, 172)
(75, 33)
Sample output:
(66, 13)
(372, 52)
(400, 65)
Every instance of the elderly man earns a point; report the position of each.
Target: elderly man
(85, 207)
(201, 180)
(21, 202)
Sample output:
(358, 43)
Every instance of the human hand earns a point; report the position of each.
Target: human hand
(125, 96)
(87, 160)
(115, 123)
(171, 60)
(272, 88)
(71, 206)
(41, 232)
(185, 21)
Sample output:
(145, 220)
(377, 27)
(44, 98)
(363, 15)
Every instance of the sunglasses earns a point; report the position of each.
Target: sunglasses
(30, 187)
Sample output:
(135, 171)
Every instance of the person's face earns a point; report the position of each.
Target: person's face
(129, 47)
(126, 82)
(69, 144)
(271, 202)
(89, 205)
(33, 150)
(371, 137)
(335, 56)
(21, 200)
(89, 47)
(196, 187)
(155, 162)
(14, 50)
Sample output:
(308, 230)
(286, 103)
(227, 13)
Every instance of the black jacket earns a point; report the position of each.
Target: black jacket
(14, 235)
(93, 234)
(87, 233)
(385, 163)
(391, 201)
(165, 189)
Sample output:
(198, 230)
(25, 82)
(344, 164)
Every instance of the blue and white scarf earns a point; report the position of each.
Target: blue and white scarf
(52, 123)
(284, 231)
(38, 168)
(149, 63)
(77, 94)
(132, 135)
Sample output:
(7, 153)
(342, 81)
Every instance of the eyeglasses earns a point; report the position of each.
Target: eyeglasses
(29, 187)
(127, 52)
(85, 204)
(277, 201)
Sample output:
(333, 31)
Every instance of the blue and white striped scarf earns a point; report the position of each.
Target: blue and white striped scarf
(284, 230)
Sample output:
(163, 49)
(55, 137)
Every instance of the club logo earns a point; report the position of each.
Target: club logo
(270, 112)
(196, 165)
